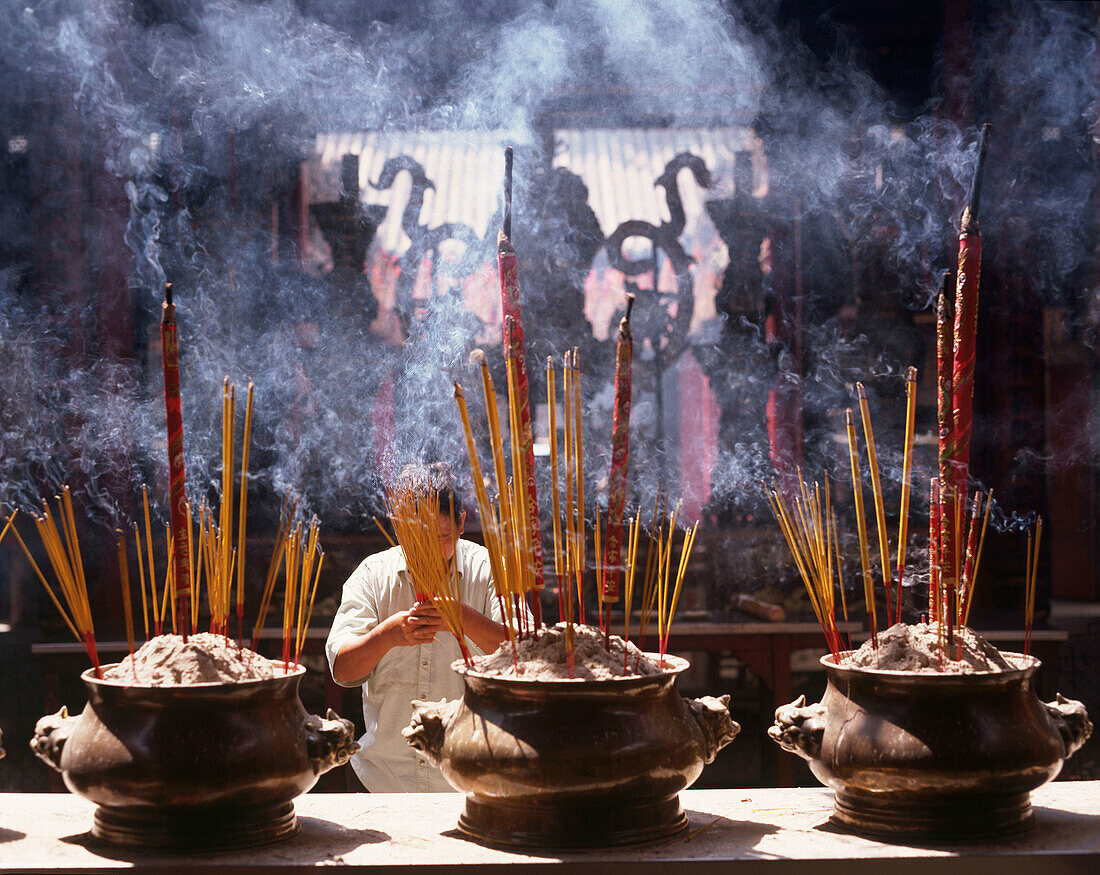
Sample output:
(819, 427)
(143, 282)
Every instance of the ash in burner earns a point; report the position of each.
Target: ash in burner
(543, 657)
(204, 658)
(917, 649)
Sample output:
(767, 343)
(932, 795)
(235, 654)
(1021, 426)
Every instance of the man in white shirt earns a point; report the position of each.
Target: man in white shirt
(399, 650)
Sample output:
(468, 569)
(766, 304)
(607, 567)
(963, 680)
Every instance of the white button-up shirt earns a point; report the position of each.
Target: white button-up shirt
(380, 587)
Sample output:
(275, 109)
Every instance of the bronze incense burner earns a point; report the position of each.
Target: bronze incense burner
(200, 767)
(941, 757)
(572, 763)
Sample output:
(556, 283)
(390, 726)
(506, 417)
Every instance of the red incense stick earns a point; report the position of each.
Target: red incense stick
(966, 317)
(947, 462)
(934, 550)
(620, 458)
(176, 480)
(510, 308)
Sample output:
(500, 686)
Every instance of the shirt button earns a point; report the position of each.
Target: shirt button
(425, 663)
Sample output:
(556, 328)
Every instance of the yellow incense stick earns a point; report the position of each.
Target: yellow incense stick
(49, 590)
(11, 520)
(578, 447)
(876, 493)
(978, 556)
(861, 525)
(552, 411)
(244, 499)
(906, 470)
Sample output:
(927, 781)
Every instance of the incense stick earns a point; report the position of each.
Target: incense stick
(286, 516)
(978, 556)
(876, 493)
(555, 492)
(489, 527)
(806, 528)
(861, 527)
(59, 538)
(149, 553)
(415, 516)
(1030, 578)
(243, 513)
(8, 525)
(906, 476)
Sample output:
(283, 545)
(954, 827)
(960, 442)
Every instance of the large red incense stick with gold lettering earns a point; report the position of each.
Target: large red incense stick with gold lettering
(966, 317)
(514, 347)
(620, 457)
(177, 491)
(947, 457)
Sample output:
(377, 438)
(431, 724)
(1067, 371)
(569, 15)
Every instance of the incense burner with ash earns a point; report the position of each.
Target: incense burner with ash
(925, 753)
(563, 762)
(193, 765)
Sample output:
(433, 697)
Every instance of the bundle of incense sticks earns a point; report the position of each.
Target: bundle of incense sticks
(810, 530)
(668, 594)
(216, 555)
(569, 528)
(278, 554)
(489, 516)
(1031, 575)
(876, 492)
(302, 560)
(861, 527)
(653, 551)
(503, 520)
(660, 590)
(809, 527)
(59, 537)
(415, 516)
(152, 605)
(952, 608)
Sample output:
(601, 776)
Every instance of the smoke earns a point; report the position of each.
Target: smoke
(201, 112)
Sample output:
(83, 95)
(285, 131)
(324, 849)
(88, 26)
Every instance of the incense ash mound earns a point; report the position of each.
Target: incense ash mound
(543, 657)
(917, 649)
(204, 658)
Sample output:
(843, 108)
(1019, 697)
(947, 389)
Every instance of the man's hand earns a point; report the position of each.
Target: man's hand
(357, 660)
(419, 624)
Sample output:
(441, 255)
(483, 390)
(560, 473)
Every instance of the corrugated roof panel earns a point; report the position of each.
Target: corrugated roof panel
(618, 166)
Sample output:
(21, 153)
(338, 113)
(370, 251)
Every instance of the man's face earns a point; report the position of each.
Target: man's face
(449, 535)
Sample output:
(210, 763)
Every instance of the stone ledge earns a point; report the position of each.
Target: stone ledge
(783, 830)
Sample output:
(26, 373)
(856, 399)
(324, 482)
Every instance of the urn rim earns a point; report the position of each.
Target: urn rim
(1026, 667)
(297, 671)
(674, 666)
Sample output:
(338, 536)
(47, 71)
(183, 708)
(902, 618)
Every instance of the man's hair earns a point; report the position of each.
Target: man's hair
(433, 478)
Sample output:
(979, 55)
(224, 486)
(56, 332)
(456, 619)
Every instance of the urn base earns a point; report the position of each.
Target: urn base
(611, 824)
(191, 830)
(930, 818)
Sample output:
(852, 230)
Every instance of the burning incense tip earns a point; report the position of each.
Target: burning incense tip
(969, 222)
(508, 155)
(477, 358)
(629, 305)
(167, 293)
